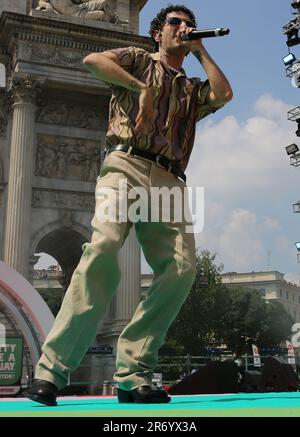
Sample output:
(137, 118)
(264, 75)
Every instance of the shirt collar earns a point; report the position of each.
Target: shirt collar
(157, 57)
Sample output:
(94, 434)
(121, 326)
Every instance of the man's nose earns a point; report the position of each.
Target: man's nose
(183, 25)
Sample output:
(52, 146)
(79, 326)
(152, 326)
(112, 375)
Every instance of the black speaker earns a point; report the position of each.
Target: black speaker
(278, 376)
(251, 381)
(215, 377)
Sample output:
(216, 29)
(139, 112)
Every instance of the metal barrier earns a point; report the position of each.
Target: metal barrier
(183, 366)
(173, 368)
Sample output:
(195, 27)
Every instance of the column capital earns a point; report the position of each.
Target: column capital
(25, 88)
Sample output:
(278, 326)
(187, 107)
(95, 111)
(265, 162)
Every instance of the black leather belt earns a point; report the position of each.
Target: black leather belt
(160, 160)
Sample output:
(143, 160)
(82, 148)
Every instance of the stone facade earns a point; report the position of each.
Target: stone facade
(53, 121)
(271, 285)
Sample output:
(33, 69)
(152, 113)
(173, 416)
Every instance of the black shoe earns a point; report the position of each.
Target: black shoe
(144, 395)
(43, 392)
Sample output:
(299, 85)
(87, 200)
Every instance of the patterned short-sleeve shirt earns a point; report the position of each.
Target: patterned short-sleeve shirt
(179, 103)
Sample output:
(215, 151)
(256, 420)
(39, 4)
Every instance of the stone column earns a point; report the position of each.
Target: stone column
(23, 90)
(128, 294)
(125, 301)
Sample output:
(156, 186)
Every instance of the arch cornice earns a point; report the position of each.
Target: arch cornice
(51, 227)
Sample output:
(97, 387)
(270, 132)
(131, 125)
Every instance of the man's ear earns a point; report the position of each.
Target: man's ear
(157, 35)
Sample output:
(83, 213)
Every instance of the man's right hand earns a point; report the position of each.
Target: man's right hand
(144, 119)
(106, 66)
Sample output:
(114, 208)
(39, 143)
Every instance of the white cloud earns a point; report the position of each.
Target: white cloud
(238, 241)
(247, 178)
(45, 261)
(267, 106)
(229, 155)
(271, 223)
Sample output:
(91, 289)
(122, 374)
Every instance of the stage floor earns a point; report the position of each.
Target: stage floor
(228, 405)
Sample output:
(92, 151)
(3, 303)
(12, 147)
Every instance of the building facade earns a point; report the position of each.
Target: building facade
(271, 285)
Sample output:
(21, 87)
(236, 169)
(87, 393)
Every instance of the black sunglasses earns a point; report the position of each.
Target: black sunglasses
(175, 21)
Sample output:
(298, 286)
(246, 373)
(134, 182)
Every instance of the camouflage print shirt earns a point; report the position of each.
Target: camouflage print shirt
(179, 103)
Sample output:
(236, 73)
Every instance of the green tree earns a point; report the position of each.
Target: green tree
(202, 316)
(214, 314)
(246, 315)
(53, 298)
(253, 320)
(277, 326)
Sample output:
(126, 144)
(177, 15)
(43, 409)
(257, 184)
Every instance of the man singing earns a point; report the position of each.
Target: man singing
(153, 114)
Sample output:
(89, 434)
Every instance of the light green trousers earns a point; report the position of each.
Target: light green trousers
(170, 252)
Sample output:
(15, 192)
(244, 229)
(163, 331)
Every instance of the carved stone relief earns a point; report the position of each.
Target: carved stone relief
(100, 10)
(71, 114)
(66, 218)
(63, 200)
(51, 55)
(67, 158)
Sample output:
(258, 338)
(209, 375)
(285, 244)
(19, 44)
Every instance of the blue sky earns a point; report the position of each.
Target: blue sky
(251, 55)
(239, 154)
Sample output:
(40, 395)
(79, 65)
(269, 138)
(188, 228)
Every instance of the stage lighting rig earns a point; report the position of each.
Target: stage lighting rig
(293, 152)
(297, 244)
(292, 69)
(295, 69)
(295, 160)
(294, 115)
(291, 30)
(289, 59)
(296, 207)
(295, 4)
(292, 149)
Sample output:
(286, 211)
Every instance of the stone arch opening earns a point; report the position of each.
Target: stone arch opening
(65, 246)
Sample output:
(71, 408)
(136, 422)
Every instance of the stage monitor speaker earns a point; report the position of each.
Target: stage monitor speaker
(215, 377)
(251, 381)
(278, 376)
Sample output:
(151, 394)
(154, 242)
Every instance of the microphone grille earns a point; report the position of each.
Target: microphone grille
(184, 36)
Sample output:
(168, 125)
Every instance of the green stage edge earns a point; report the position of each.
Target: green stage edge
(229, 405)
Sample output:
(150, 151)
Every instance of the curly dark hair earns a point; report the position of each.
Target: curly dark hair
(158, 22)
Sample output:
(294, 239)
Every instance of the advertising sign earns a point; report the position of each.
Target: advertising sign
(291, 353)
(11, 360)
(256, 356)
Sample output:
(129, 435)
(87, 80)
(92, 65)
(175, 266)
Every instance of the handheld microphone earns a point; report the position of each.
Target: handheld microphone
(207, 33)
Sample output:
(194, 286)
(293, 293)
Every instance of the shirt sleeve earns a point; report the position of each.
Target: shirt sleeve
(129, 57)
(204, 108)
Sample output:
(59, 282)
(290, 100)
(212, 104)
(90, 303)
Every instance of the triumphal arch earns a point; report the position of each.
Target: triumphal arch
(53, 120)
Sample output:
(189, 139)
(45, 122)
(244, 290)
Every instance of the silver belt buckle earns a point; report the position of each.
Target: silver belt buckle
(128, 153)
(157, 158)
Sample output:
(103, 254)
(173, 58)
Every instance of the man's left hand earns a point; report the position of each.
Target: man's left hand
(192, 45)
